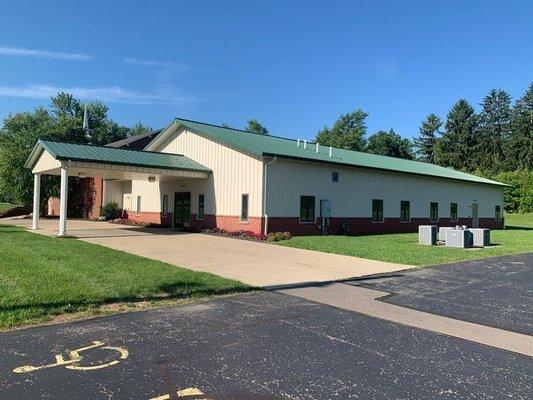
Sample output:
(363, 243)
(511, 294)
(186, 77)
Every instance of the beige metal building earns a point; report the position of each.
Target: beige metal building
(210, 176)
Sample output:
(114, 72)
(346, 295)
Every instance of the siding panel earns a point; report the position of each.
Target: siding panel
(352, 195)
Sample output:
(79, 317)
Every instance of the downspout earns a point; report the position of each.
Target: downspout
(265, 215)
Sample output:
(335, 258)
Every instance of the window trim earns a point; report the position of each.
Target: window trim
(498, 214)
(313, 221)
(456, 212)
(405, 221)
(203, 207)
(382, 220)
(247, 208)
(430, 216)
(138, 205)
(164, 210)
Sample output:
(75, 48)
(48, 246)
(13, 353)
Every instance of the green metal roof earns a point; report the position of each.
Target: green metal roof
(117, 156)
(266, 145)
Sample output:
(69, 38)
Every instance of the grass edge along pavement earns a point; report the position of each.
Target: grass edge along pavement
(42, 278)
(403, 248)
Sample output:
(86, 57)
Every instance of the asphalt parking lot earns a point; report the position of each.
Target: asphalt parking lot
(267, 345)
(495, 292)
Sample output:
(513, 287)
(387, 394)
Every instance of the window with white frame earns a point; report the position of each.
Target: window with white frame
(433, 212)
(405, 211)
(164, 206)
(307, 208)
(453, 212)
(244, 207)
(497, 213)
(138, 209)
(377, 210)
(201, 207)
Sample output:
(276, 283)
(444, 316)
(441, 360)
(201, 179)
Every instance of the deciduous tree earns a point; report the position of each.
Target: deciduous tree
(390, 144)
(348, 132)
(256, 127)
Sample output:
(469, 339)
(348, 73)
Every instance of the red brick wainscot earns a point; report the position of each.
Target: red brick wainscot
(155, 218)
(365, 225)
(230, 223)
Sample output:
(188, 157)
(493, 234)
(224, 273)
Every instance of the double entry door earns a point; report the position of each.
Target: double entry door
(182, 209)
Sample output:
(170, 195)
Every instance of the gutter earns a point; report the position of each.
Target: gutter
(265, 174)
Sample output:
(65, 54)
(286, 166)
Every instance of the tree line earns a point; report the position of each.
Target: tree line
(62, 120)
(497, 142)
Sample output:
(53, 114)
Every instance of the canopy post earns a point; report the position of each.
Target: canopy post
(63, 201)
(36, 200)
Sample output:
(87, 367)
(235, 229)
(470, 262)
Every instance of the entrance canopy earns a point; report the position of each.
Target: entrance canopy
(83, 160)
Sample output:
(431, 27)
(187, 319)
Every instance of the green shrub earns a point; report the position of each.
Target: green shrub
(278, 236)
(110, 210)
(519, 197)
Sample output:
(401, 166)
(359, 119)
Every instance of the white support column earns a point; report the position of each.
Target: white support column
(36, 200)
(63, 201)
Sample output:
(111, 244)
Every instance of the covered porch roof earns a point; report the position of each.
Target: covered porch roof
(84, 160)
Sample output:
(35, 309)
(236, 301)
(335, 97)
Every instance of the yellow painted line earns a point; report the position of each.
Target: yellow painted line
(182, 393)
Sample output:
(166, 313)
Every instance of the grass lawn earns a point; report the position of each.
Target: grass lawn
(42, 277)
(6, 206)
(403, 248)
(519, 220)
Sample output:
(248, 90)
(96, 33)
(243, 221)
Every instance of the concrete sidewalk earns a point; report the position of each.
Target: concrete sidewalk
(254, 263)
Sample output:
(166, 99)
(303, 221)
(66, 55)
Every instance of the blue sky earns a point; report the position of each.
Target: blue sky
(294, 65)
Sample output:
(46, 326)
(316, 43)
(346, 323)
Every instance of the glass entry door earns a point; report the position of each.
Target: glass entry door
(182, 209)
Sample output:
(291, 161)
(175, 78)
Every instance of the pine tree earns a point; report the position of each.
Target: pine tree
(427, 139)
(519, 148)
(494, 130)
(457, 144)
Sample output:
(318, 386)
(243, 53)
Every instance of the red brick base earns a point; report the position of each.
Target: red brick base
(228, 223)
(293, 225)
(365, 225)
(149, 218)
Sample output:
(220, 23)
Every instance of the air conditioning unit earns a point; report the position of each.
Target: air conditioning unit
(460, 238)
(427, 234)
(442, 232)
(481, 237)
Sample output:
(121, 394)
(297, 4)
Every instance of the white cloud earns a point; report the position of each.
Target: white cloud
(152, 63)
(16, 51)
(110, 94)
